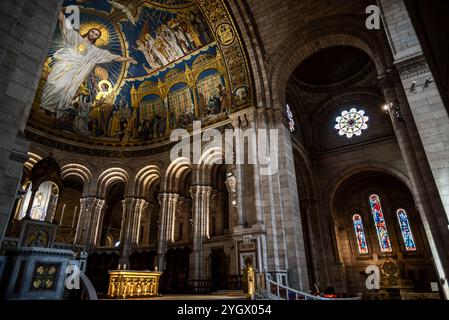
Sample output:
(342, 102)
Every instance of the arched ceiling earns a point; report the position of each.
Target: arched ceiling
(332, 65)
(187, 64)
(326, 83)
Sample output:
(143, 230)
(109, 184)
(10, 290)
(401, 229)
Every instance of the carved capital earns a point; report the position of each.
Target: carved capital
(279, 117)
(412, 67)
(200, 190)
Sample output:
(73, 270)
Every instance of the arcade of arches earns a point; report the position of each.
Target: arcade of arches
(363, 142)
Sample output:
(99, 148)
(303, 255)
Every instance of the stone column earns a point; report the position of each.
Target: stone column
(421, 123)
(189, 219)
(154, 226)
(168, 203)
(88, 231)
(200, 204)
(283, 209)
(27, 32)
(219, 224)
(34, 189)
(213, 214)
(133, 209)
(147, 212)
(236, 181)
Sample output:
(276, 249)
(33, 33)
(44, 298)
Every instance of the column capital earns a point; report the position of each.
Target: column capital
(92, 202)
(279, 117)
(87, 200)
(167, 196)
(200, 190)
(131, 201)
(100, 203)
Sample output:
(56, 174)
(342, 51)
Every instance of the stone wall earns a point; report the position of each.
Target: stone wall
(26, 31)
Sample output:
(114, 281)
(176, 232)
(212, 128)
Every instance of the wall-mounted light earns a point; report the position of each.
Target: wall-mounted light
(428, 82)
(387, 107)
(413, 87)
(393, 106)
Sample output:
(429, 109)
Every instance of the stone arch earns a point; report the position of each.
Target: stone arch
(110, 176)
(343, 177)
(145, 179)
(33, 158)
(368, 94)
(175, 172)
(212, 156)
(369, 99)
(318, 35)
(78, 171)
(350, 198)
(254, 49)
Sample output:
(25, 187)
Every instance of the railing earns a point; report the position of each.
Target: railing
(88, 290)
(233, 282)
(85, 292)
(200, 286)
(276, 291)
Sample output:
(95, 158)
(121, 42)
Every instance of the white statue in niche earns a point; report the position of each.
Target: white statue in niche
(45, 201)
(73, 63)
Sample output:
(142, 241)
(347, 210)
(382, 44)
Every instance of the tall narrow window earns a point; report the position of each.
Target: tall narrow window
(360, 234)
(291, 120)
(379, 221)
(407, 235)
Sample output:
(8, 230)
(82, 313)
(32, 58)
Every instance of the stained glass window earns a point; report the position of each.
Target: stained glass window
(351, 123)
(291, 120)
(379, 222)
(407, 235)
(360, 234)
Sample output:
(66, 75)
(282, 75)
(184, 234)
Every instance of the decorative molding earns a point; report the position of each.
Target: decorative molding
(412, 67)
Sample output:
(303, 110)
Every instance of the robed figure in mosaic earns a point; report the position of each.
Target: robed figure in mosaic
(73, 63)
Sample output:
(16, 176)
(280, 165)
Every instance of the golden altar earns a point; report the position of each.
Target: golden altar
(133, 284)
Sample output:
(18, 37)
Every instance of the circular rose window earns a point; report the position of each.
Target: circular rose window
(351, 122)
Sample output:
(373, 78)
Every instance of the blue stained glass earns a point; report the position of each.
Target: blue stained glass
(360, 234)
(291, 120)
(379, 222)
(407, 235)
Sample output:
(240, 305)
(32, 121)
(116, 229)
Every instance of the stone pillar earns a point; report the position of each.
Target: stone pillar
(421, 123)
(88, 231)
(133, 209)
(147, 211)
(236, 181)
(287, 212)
(27, 32)
(213, 214)
(154, 227)
(34, 189)
(200, 204)
(219, 223)
(189, 219)
(168, 203)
